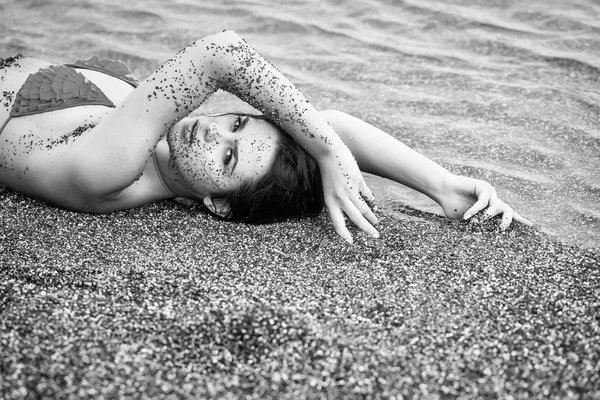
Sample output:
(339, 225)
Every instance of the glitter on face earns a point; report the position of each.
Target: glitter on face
(215, 155)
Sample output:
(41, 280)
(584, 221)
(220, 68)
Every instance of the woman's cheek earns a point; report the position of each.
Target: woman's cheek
(213, 173)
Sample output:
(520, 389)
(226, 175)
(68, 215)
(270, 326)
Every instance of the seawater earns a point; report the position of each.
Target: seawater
(507, 91)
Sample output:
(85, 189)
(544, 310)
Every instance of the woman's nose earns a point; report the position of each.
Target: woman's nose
(212, 132)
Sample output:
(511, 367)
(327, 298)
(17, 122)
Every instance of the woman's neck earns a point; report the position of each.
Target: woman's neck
(159, 175)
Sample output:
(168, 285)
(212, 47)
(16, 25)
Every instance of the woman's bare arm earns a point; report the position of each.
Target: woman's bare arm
(381, 154)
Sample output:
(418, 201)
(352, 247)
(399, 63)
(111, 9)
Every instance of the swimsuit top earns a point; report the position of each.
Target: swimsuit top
(61, 86)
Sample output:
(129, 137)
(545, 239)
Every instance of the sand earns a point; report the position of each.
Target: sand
(166, 302)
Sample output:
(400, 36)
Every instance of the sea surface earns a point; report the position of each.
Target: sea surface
(507, 91)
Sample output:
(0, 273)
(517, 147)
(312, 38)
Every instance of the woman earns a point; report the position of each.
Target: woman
(87, 138)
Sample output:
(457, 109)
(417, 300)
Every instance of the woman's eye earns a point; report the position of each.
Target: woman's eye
(228, 155)
(236, 125)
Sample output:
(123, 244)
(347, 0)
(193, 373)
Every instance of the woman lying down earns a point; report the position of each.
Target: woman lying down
(89, 137)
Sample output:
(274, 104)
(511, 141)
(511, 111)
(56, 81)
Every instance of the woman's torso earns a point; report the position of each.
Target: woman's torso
(31, 146)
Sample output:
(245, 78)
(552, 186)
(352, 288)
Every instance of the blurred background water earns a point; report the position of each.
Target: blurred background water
(503, 90)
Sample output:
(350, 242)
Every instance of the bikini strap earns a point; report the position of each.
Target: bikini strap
(113, 68)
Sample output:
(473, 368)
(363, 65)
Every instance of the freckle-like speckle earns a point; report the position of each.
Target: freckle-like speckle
(31, 142)
(9, 61)
(7, 98)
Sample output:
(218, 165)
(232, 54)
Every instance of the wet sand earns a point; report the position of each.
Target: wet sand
(165, 301)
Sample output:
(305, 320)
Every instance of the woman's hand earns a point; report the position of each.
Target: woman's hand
(345, 191)
(464, 197)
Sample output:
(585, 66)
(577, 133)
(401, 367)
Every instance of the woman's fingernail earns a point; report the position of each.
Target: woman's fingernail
(467, 216)
(376, 235)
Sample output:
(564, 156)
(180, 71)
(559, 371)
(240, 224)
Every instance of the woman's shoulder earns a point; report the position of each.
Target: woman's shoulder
(20, 64)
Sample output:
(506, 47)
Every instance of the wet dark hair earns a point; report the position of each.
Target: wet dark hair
(291, 188)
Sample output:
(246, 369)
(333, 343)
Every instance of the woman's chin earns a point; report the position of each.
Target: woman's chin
(171, 139)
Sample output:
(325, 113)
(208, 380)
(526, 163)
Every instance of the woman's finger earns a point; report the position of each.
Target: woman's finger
(368, 213)
(362, 216)
(482, 202)
(522, 220)
(339, 223)
(490, 212)
(369, 199)
(366, 208)
(366, 192)
(507, 218)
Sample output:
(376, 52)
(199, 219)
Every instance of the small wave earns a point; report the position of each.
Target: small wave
(120, 21)
(573, 64)
(470, 18)
(582, 185)
(141, 17)
(585, 215)
(490, 47)
(591, 105)
(272, 24)
(552, 23)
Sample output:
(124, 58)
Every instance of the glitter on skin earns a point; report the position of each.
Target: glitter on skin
(9, 61)
(50, 142)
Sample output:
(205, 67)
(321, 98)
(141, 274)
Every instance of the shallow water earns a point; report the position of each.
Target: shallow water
(507, 91)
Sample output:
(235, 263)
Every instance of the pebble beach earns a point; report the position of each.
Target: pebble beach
(167, 302)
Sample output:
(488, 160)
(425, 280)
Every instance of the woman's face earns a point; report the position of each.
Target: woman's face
(215, 155)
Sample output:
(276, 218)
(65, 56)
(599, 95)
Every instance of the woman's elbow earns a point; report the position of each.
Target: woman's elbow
(337, 120)
(223, 38)
(332, 115)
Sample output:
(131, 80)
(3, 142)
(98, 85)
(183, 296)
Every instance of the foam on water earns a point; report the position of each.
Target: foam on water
(506, 91)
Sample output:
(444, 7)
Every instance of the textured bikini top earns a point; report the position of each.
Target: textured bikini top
(61, 86)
